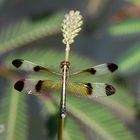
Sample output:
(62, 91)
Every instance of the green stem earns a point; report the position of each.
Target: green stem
(67, 50)
(60, 130)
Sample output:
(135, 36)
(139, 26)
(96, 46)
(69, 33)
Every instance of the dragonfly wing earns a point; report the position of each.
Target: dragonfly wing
(32, 86)
(90, 90)
(28, 66)
(97, 70)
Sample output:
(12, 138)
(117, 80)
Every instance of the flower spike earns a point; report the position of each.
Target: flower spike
(71, 26)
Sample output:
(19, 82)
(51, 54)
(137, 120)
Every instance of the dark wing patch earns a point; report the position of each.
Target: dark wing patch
(91, 70)
(38, 85)
(109, 90)
(19, 85)
(17, 62)
(38, 68)
(89, 88)
(112, 67)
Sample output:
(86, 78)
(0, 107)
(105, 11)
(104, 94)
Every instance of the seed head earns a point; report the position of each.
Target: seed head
(71, 26)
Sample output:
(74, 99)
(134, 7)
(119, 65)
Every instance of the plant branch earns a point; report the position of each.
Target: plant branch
(70, 28)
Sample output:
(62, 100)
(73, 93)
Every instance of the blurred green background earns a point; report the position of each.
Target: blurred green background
(30, 30)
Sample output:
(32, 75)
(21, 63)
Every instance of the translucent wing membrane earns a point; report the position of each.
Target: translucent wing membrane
(81, 89)
(28, 66)
(97, 70)
(90, 89)
(31, 86)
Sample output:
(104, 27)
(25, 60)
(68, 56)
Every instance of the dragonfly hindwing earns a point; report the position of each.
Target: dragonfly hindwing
(32, 86)
(90, 89)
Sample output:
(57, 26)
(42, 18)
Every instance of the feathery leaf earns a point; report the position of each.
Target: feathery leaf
(25, 32)
(13, 116)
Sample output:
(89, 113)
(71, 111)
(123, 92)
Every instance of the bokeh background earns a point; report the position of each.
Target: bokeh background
(31, 30)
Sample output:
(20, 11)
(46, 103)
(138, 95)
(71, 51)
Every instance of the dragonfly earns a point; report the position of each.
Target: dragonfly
(87, 89)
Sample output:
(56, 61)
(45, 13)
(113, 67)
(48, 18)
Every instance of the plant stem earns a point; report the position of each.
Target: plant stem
(60, 130)
(67, 50)
(65, 68)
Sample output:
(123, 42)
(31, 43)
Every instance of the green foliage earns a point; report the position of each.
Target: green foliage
(99, 119)
(72, 130)
(98, 116)
(94, 116)
(26, 31)
(13, 116)
(130, 61)
(134, 1)
(126, 27)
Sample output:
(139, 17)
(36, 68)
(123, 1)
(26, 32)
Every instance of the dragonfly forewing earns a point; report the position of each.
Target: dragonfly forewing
(98, 70)
(27, 66)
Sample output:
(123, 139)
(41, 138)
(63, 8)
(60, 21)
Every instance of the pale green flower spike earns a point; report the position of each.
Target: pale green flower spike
(71, 26)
